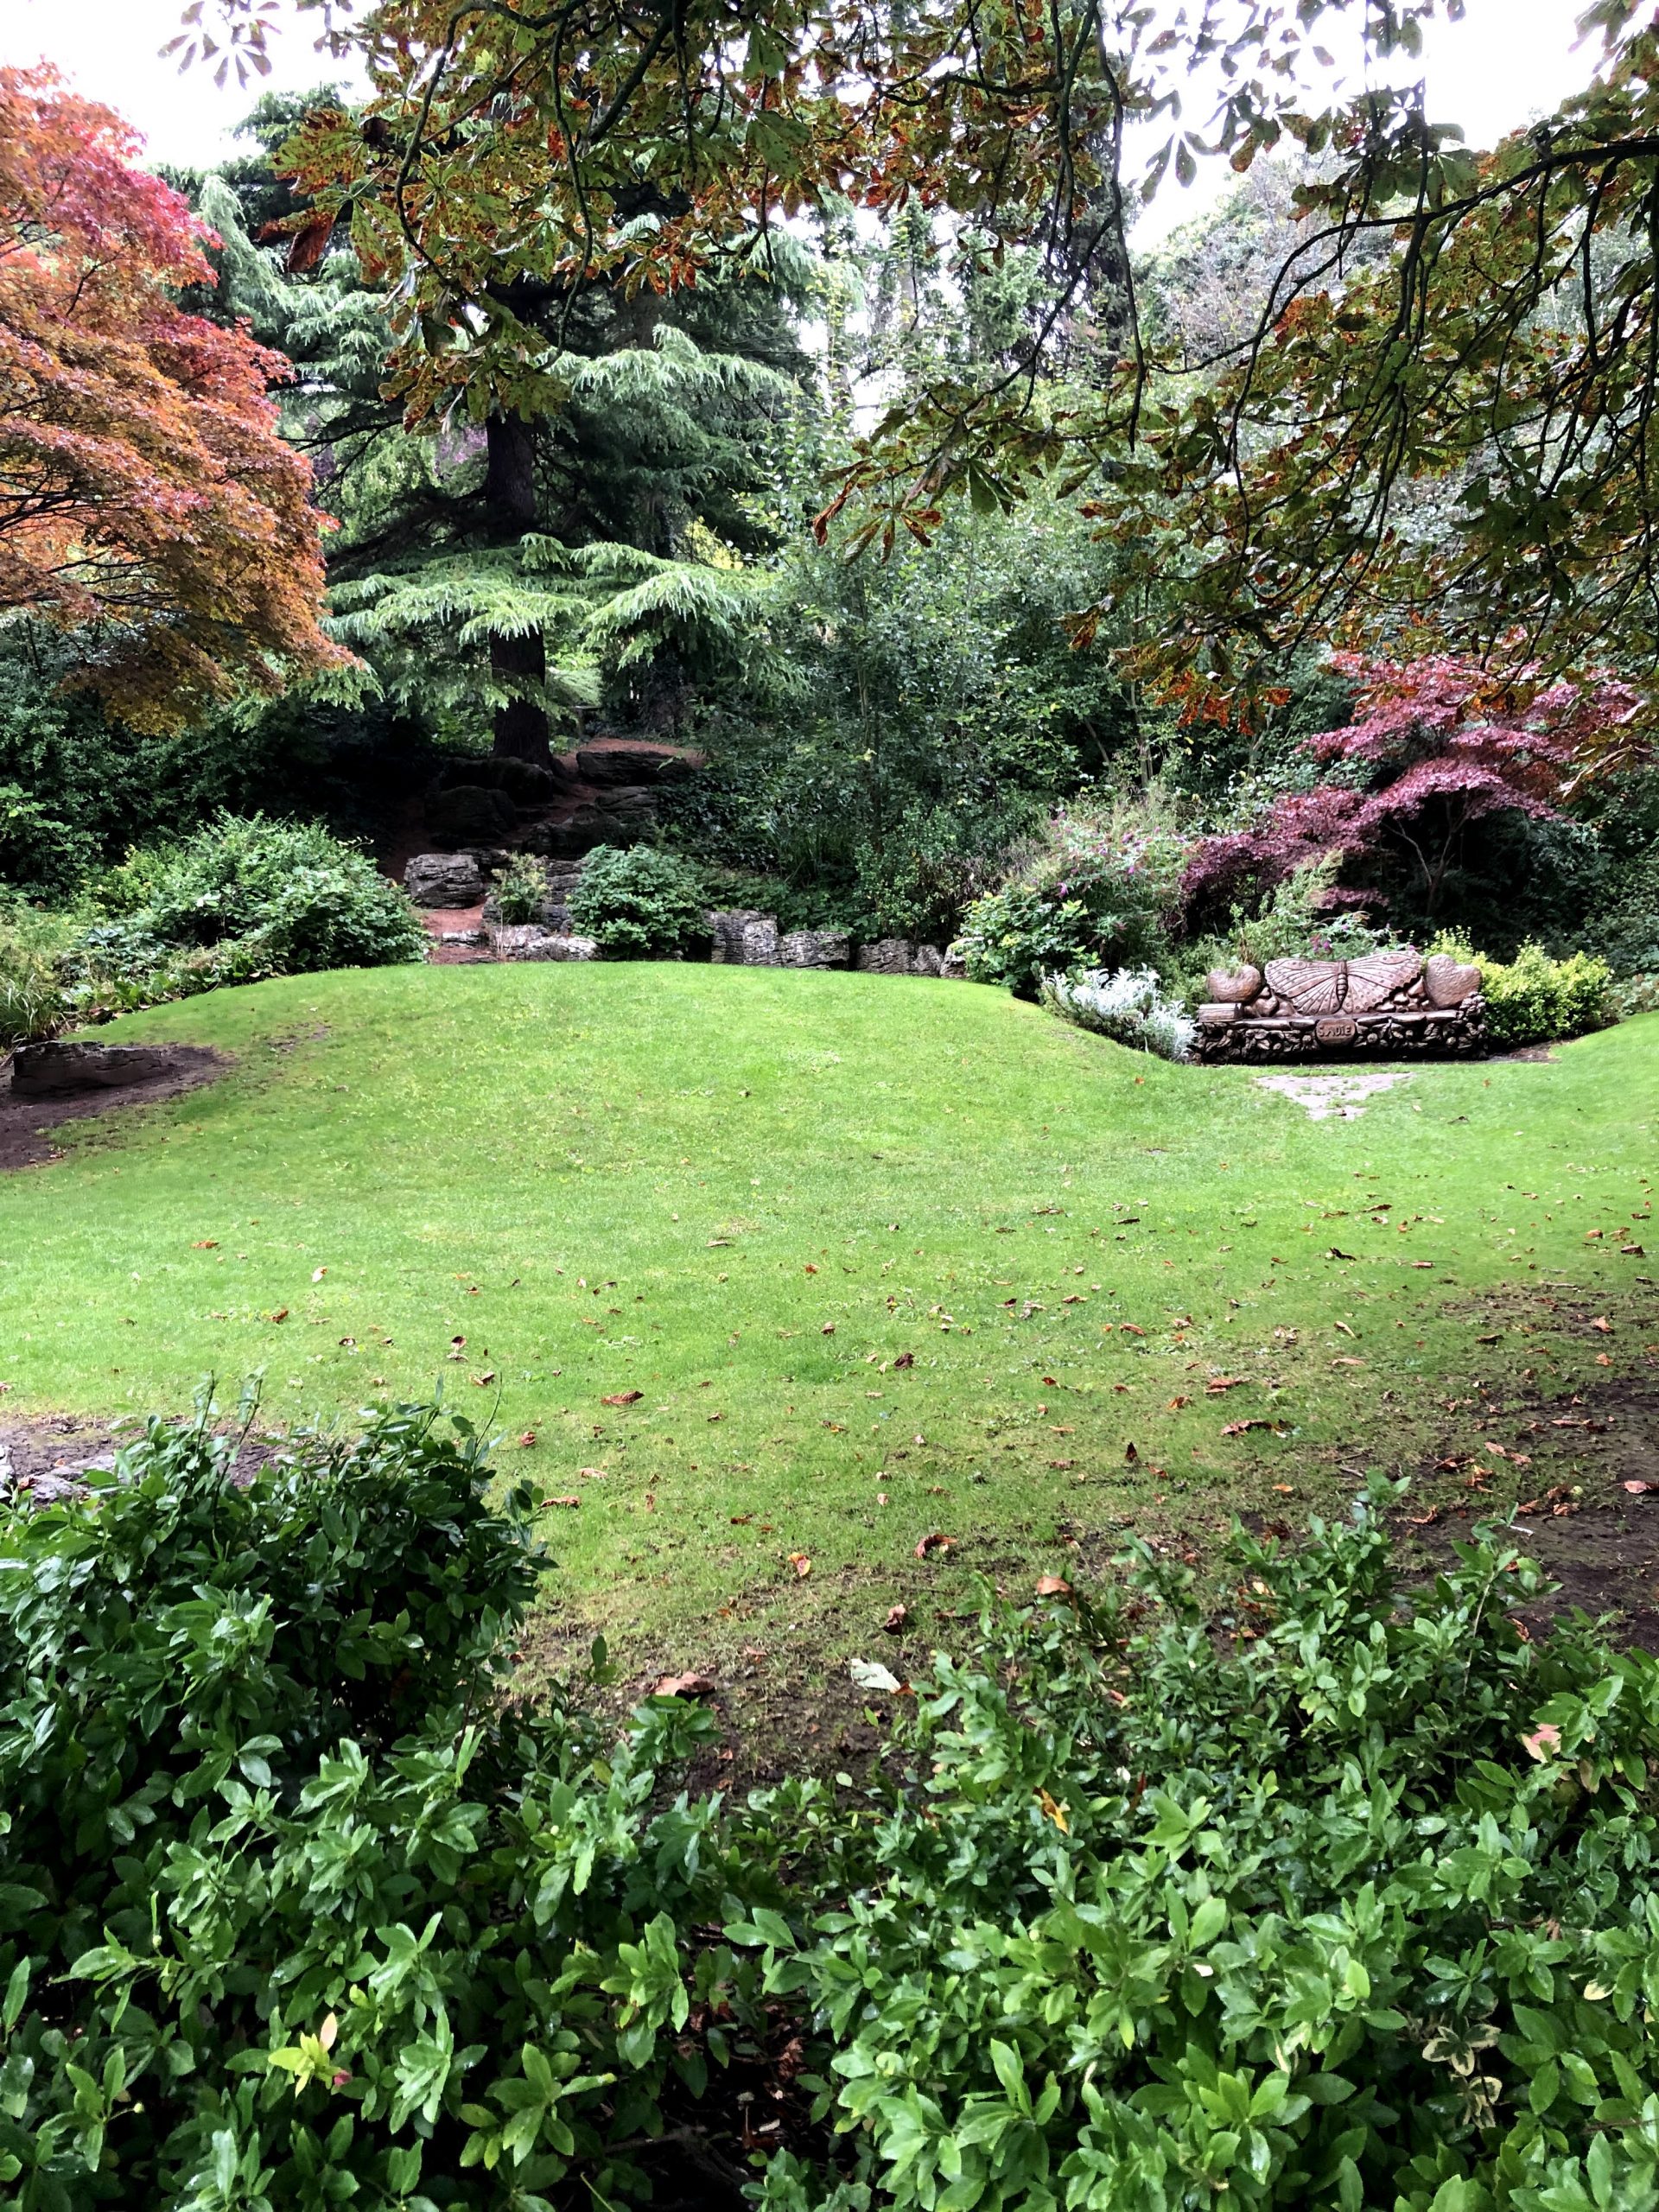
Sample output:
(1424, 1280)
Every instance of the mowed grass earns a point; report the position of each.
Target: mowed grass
(883, 1258)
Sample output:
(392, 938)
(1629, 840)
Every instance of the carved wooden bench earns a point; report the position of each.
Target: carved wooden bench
(1387, 1003)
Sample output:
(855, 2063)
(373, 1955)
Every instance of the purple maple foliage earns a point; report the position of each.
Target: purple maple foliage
(1435, 746)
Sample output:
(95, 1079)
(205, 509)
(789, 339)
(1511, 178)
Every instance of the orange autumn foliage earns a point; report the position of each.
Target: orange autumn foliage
(146, 502)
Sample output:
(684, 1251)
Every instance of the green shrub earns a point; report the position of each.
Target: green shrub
(919, 881)
(1336, 1899)
(1016, 937)
(311, 900)
(1536, 998)
(238, 900)
(638, 903)
(1339, 1901)
(1123, 862)
(521, 889)
(1625, 932)
(285, 1885)
(39, 849)
(1099, 887)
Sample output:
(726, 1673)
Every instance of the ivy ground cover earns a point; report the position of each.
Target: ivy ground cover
(800, 1297)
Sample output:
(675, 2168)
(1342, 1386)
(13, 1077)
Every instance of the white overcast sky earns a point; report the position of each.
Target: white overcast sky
(1506, 61)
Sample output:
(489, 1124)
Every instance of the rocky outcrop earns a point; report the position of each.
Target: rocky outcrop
(444, 879)
(530, 941)
(897, 956)
(726, 928)
(633, 761)
(815, 949)
(577, 833)
(761, 942)
(470, 814)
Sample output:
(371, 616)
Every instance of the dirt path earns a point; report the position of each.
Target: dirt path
(24, 1122)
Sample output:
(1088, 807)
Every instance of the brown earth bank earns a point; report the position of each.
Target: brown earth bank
(24, 1122)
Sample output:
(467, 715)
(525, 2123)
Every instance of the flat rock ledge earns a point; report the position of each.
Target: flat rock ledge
(529, 941)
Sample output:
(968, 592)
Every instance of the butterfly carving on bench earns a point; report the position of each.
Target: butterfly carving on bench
(1360, 986)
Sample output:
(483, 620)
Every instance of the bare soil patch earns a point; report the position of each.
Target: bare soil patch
(24, 1122)
(40, 1458)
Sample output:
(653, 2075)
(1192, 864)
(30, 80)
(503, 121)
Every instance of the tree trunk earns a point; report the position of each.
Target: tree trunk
(521, 727)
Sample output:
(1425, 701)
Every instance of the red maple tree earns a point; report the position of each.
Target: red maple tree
(146, 502)
(1435, 746)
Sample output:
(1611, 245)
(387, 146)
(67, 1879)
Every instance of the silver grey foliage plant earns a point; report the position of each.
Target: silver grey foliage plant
(1127, 1005)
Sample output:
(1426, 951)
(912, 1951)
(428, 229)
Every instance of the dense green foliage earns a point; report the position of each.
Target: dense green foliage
(283, 895)
(239, 899)
(636, 902)
(1334, 1899)
(277, 1857)
(1533, 998)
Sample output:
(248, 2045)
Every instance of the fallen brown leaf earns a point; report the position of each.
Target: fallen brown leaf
(1053, 1585)
(684, 1686)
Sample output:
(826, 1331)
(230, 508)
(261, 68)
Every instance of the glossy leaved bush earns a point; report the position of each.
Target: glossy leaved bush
(1342, 1896)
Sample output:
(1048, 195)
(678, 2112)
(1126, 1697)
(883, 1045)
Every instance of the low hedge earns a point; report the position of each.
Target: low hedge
(1341, 1897)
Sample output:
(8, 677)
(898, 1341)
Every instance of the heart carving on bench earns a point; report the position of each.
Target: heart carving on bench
(1450, 981)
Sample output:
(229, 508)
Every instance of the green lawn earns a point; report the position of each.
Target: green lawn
(745, 1193)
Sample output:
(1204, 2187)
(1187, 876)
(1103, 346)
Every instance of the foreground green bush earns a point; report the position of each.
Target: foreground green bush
(1344, 1899)
(286, 1885)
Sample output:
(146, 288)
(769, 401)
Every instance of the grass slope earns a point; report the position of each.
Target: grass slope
(745, 1194)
